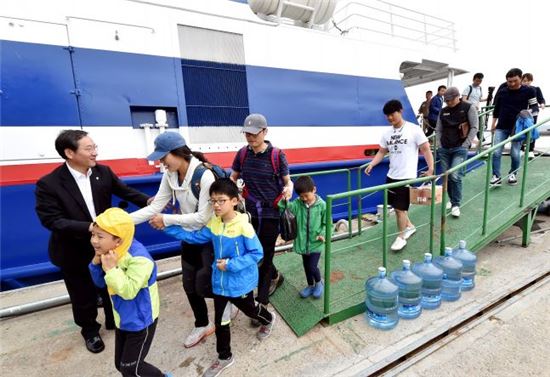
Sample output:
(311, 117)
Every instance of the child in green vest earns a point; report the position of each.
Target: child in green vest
(309, 210)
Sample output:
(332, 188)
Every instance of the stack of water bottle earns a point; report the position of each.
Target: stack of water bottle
(407, 291)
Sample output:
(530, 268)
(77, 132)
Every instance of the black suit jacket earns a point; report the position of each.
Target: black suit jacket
(61, 209)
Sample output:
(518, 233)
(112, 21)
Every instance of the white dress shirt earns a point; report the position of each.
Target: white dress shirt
(83, 183)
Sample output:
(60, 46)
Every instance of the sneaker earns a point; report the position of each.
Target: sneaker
(198, 334)
(409, 231)
(495, 181)
(448, 205)
(318, 289)
(265, 330)
(512, 179)
(398, 244)
(229, 313)
(531, 155)
(455, 211)
(218, 367)
(276, 283)
(307, 291)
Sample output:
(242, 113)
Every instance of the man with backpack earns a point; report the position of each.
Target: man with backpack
(473, 93)
(264, 170)
(511, 98)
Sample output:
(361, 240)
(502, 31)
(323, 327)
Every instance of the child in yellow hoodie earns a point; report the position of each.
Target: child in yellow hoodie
(130, 274)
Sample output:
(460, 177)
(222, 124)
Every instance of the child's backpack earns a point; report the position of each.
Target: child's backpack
(523, 122)
(218, 172)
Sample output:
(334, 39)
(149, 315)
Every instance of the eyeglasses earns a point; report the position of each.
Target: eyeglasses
(90, 148)
(219, 202)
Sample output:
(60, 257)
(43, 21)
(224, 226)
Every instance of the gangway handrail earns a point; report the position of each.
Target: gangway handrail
(432, 178)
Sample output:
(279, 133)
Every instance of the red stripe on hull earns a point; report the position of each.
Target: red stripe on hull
(11, 175)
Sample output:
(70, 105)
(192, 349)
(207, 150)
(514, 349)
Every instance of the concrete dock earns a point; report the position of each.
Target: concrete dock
(514, 341)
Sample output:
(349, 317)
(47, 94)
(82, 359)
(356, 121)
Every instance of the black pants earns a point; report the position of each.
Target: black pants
(196, 265)
(83, 294)
(246, 305)
(268, 233)
(131, 348)
(430, 128)
(311, 268)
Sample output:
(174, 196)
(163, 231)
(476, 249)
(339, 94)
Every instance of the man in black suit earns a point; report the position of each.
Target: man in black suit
(67, 202)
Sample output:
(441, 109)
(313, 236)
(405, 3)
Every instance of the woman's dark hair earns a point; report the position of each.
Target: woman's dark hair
(224, 186)
(392, 106)
(186, 153)
(68, 139)
(304, 184)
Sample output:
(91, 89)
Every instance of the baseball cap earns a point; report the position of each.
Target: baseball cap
(451, 93)
(254, 123)
(165, 143)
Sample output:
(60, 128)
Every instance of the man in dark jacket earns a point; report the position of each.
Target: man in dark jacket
(509, 101)
(456, 129)
(67, 202)
(436, 104)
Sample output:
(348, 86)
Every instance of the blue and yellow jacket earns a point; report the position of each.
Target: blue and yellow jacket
(235, 241)
(132, 285)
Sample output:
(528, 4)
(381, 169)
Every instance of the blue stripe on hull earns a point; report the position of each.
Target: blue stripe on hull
(37, 81)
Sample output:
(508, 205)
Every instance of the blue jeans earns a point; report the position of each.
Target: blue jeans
(501, 135)
(449, 158)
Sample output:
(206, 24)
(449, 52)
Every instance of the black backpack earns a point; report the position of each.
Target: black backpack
(218, 172)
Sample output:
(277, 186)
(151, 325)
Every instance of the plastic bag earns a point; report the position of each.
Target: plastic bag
(287, 224)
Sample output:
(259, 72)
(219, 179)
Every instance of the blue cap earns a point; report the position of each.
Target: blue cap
(165, 143)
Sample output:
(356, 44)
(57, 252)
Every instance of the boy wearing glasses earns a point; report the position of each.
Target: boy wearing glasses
(237, 251)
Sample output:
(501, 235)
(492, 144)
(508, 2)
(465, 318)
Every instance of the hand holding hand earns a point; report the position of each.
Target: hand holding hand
(109, 260)
(157, 221)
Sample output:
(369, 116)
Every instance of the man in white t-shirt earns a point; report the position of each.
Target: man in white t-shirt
(473, 93)
(402, 141)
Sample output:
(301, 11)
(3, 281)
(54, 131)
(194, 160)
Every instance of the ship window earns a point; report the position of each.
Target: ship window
(215, 85)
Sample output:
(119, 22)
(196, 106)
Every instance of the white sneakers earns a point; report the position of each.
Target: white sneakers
(198, 334)
(455, 211)
(398, 244)
(512, 179)
(409, 231)
(401, 242)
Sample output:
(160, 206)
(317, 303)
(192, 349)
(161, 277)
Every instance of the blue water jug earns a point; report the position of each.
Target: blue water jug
(381, 301)
(432, 277)
(452, 275)
(469, 261)
(410, 291)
